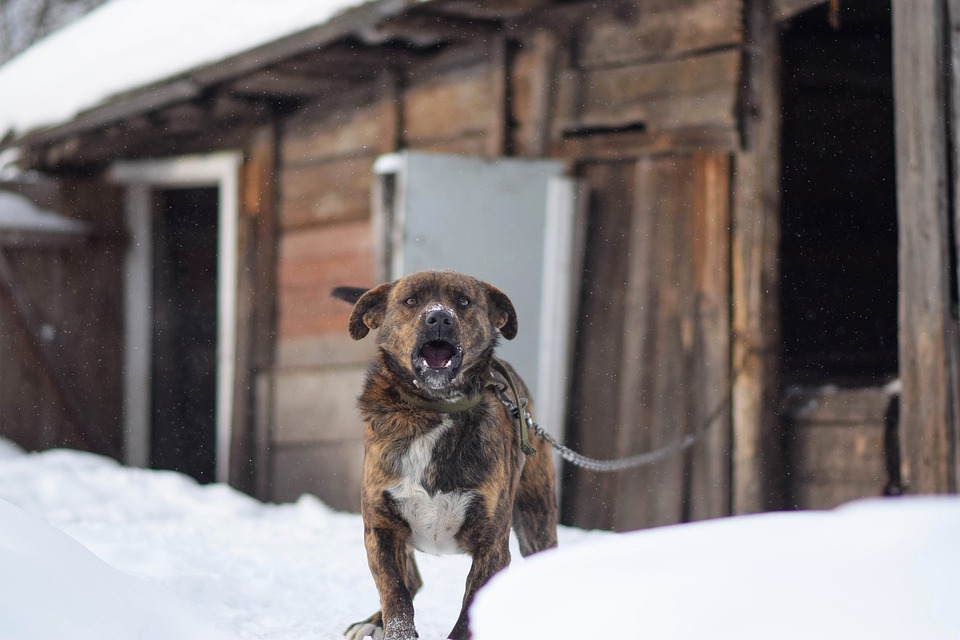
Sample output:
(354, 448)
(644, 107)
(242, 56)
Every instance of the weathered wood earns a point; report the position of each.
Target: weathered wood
(709, 463)
(699, 91)
(839, 406)
(623, 145)
(953, 17)
(534, 81)
(322, 134)
(498, 138)
(318, 405)
(330, 192)
(928, 333)
(594, 403)
(330, 471)
(659, 29)
(323, 350)
(256, 296)
(449, 106)
(757, 455)
(312, 263)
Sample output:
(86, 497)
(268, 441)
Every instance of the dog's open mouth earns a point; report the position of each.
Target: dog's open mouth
(438, 354)
(437, 362)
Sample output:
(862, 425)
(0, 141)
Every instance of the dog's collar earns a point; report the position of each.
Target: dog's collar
(442, 406)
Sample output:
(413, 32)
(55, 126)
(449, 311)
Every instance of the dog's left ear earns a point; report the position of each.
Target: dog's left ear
(502, 314)
(369, 311)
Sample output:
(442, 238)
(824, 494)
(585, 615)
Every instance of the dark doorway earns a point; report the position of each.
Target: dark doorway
(185, 332)
(838, 249)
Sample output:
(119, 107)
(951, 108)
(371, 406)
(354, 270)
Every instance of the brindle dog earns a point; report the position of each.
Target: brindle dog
(443, 468)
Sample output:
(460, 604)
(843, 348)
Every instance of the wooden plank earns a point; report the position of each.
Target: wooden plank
(450, 105)
(312, 263)
(534, 80)
(709, 463)
(757, 456)
(319, 134)
(498, 137)
(594, 402)
(928, 333)
(700, 91)
(318, 405)
(256, 296)
(624, 145)
(842, 406)
(324, 350)
(331, 471)
(330, 192)
(658, 29)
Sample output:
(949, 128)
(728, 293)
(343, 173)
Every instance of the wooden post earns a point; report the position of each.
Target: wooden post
(757, 451)
(498, 144)
(928, 332)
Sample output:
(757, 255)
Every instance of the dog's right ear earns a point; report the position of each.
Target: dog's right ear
(369, 311)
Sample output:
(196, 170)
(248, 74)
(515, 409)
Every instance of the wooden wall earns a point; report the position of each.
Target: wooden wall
(60, 369)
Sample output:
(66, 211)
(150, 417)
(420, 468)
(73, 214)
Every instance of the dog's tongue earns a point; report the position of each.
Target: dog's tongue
(437, 354)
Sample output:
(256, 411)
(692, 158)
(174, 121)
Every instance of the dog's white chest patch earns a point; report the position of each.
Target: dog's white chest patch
(434, 519)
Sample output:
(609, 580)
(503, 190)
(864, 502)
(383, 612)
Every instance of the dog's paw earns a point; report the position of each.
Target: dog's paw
(365, 629)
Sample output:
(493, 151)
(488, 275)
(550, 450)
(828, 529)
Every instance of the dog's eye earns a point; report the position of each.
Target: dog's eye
(410, 302)
(463, 302)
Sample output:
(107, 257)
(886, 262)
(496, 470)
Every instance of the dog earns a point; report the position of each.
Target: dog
(443, 468)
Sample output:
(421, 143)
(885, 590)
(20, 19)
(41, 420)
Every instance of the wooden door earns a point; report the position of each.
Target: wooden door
(652, 361)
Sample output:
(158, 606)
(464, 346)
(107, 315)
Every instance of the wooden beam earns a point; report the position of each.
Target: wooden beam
(757, 454)
(499, 137)
(928, 331)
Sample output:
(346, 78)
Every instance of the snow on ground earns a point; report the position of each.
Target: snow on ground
(164, 558)
(91, 550)
(126, 44)
(876, 569)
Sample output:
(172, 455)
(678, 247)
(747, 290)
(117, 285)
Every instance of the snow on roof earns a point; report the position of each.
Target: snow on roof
(18, 213)
(129, 44)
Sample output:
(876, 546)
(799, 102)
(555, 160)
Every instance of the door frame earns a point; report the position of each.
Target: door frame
(140, 178)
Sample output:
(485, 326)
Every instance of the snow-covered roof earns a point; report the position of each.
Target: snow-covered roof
(126, 45)
(19, 214)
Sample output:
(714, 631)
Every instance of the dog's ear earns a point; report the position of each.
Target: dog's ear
(348, 294)
(502, 314)
(369, 310)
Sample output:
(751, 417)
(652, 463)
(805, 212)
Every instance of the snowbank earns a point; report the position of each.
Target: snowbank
(880, 569)
(163, 557)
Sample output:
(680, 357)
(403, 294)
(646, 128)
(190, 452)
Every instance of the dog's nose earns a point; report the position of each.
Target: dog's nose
(439, 319)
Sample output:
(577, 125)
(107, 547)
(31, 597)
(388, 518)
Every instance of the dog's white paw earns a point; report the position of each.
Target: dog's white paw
(362, 630)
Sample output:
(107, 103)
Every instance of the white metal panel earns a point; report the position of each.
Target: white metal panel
(492, 220)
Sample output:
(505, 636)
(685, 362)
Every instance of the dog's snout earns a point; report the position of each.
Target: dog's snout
(439, 319)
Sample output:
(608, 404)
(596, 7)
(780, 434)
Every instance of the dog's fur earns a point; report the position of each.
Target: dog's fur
(438, 476)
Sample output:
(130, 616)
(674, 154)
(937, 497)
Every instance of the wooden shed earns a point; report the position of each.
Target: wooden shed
(763, 252)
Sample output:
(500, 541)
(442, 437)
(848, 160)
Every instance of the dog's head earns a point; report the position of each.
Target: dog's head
(440, 326)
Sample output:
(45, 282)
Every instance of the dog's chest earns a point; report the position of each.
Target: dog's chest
(434, 519)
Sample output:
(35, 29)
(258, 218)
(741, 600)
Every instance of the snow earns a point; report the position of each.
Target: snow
(877, 569)
(18, 213)
(128, 44)
(90, 549)
(94, 550)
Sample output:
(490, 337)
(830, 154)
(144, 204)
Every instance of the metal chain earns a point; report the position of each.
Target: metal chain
(617, 464)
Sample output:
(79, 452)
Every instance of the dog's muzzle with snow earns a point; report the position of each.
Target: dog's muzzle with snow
(438, 354)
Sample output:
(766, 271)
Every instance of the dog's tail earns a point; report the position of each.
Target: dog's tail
(348, 294)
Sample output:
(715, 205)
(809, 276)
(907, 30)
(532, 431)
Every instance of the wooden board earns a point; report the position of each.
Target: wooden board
(928, 330)
(327, 192)
(658, 29)
(312, 263)
(653, 348)
(699, 91)
(451, 105)
(757, 455)
(330, 471)
(318, 405)
(318, 134)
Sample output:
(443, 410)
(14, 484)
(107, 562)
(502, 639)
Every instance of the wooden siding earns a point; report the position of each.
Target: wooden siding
(837, 445)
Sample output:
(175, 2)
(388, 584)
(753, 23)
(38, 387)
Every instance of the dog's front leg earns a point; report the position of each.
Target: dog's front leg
(486, 562)
(387, 557)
